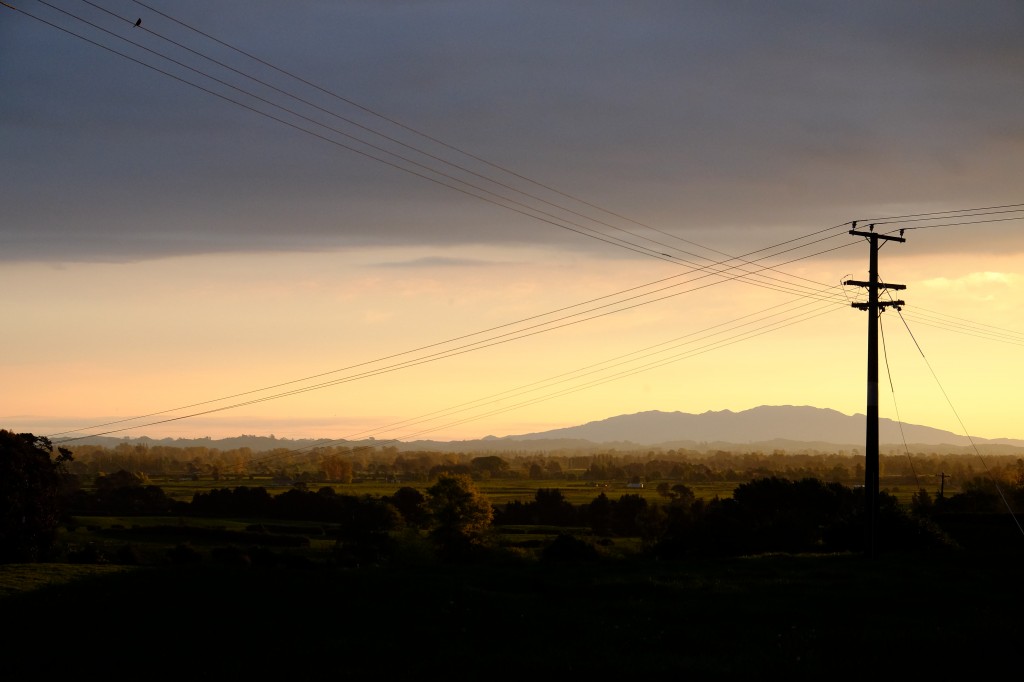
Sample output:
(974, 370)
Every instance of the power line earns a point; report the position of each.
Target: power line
(475, 191)
(881, 220)
(620, 375)
(491, 329)
(960, 224)
(957, 415)
(892, 389)
(960, 329)
(395, 140)
(351, 103)
(643, 250)
(90, 3)
(958, 323)
(638, 249)
(559, 379)
(967, 213)
(415, 131)
(479, 345)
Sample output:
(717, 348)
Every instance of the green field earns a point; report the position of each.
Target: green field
(497, 490)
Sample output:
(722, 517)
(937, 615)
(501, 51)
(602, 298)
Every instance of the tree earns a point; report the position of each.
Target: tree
(599, 514)
(551, 507)
(30, 481)
(336, 469)
(921, 504)
(626, 515)
(490, 466)
(461, 513)
(683, 495)
(121, 479)
(411, 503)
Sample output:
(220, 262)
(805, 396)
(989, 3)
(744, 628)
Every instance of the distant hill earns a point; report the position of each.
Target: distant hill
(765, 428)
(759, 425)
(254, 443)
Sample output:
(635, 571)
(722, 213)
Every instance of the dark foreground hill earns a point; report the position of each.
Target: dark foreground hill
(814, 616)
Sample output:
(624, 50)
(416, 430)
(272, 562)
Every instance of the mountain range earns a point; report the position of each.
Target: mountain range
(765, 428)
(760, 424)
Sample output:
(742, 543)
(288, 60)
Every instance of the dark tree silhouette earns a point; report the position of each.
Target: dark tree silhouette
(492, 465)
(461, 514)
(599, 515)
(242, 501)
(30, 479)
(412, 504)
(551, 508)
(627, 515)
(778, 515)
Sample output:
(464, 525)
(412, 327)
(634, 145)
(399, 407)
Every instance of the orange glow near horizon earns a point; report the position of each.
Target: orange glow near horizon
(189, 332)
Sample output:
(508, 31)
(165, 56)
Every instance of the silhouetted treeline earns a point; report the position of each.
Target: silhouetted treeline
(768, 514)
(343, 464)
(785, 513)
(763, 515)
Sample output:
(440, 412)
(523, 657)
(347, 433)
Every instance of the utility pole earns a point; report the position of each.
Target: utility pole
(874, 307)
(942, 484)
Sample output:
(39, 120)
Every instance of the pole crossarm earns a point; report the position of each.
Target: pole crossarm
(880, 285)
(881, 304)
(877, 235)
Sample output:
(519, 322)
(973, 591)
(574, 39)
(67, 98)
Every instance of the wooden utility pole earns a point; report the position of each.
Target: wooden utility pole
(942, 484)
(874, 307)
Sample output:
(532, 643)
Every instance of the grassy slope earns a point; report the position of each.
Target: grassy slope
(774, 615)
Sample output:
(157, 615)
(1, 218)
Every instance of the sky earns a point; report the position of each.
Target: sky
(447, 220)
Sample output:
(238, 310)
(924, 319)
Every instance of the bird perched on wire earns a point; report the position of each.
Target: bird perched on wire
(138, 22)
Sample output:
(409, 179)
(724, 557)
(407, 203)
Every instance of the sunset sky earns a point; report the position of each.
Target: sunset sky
(447, 220)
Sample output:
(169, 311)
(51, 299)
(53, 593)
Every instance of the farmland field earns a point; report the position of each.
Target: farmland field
(497, 490)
